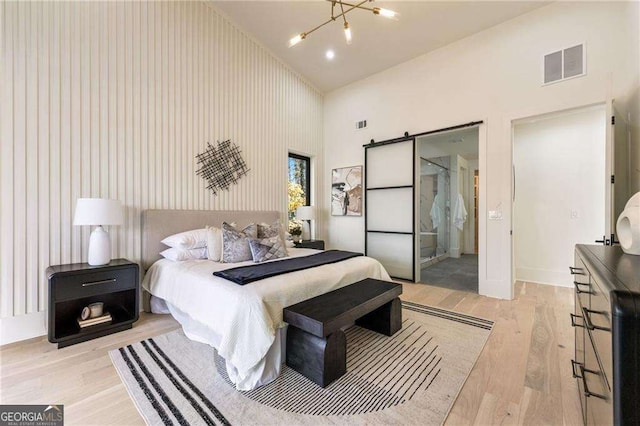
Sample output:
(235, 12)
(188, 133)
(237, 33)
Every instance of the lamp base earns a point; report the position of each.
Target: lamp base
(628, 226)
(99, 247)
(306, 231)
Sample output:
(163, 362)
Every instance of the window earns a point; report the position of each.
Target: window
(299, 182)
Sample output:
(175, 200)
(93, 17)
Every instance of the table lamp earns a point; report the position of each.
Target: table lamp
(628, 226)
(99, 212)
(306, 214)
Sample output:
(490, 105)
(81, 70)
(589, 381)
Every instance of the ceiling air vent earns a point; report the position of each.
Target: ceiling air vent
(361, 124)
(564, 64)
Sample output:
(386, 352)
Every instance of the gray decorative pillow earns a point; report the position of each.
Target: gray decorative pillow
(267, 249)
(235, 244)
(268, 231)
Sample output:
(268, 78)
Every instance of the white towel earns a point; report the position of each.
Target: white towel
(459, 213)
(435, 214)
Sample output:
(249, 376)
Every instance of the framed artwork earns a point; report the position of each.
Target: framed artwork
(346, 191)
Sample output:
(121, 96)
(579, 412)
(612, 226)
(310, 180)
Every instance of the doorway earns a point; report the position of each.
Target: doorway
(559, 195)
(448, 188)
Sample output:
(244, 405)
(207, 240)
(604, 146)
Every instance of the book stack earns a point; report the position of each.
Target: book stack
(102, 319)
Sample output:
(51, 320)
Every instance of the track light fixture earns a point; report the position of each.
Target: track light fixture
(378, 11)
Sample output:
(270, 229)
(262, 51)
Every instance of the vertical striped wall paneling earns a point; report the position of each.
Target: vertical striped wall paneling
(114, 100)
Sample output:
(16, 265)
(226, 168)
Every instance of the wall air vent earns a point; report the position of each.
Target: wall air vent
(361, 124)
(564, 64)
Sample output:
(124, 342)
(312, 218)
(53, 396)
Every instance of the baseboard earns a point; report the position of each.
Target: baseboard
(544, 276)
(22, 327)
(498, 289)
(544, 283)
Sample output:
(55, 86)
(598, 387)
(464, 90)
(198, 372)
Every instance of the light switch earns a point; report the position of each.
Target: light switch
(495, 214)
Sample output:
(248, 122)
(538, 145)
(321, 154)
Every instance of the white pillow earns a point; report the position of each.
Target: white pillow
(179, 255)
(214, 242)
(196, 238)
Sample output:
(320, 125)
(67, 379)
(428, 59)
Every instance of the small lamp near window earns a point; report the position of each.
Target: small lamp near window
(99, 212)
(306, 214)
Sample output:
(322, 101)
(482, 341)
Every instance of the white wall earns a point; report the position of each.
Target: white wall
(634, 137)
(115, 99)
(560, 184)
(494, 76)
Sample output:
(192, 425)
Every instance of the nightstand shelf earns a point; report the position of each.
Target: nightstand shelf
(72, 287)
(312, 244)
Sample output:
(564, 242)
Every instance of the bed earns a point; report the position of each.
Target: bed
(243, 323)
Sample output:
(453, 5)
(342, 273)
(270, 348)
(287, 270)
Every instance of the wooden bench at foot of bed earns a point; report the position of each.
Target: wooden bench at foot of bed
(316, 344)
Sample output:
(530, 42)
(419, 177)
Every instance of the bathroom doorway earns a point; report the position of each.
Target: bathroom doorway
(448, 209)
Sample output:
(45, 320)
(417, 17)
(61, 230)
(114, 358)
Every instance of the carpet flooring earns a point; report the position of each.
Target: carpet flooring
(455, 274)
(412, 377)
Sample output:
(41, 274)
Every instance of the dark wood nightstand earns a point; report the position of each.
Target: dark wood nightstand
(312, 244)
(74, 286)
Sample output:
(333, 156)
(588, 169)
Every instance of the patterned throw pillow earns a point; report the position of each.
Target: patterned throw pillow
(288, 240)
(267, 249)
(268, 231)
(235, 244)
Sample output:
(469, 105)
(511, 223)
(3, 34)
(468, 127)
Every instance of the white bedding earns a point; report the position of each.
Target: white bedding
(241, 321)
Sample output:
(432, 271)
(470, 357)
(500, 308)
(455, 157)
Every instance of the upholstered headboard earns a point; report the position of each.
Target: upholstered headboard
(158, 224)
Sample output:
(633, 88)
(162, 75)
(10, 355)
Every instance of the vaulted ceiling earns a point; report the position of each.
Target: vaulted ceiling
(378, 43)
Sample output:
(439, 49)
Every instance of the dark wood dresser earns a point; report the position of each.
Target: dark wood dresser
(607, 334)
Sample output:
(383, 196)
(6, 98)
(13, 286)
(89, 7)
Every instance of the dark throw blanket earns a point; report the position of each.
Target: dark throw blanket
(247, 274)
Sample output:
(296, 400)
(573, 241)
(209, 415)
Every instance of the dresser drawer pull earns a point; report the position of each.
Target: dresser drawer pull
(586, 313)
(573, 270)
(573, 369)
(89, 284)
(573, 321)
(579, 291)
(587, 392)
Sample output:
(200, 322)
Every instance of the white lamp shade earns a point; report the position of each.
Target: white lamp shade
(306, 213)
(98, 211)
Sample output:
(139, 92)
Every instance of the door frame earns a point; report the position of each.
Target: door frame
(482, 125)
(539, 113)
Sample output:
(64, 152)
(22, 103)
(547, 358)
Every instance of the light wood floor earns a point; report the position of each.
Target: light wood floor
(523, 375)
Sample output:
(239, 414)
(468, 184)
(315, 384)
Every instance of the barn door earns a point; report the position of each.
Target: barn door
(390, 207)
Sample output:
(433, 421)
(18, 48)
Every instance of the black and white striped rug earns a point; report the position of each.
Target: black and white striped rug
(414, 376)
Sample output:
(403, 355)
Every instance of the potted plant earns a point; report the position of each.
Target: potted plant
(295, 229)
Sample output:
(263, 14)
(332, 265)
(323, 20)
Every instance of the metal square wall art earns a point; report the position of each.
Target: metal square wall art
(221, 165)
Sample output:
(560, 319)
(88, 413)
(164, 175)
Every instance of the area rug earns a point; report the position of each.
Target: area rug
(412, 377)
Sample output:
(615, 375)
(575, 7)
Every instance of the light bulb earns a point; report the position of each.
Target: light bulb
(347, 32)
(330, 54)
(297, 39)
(385, 12)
